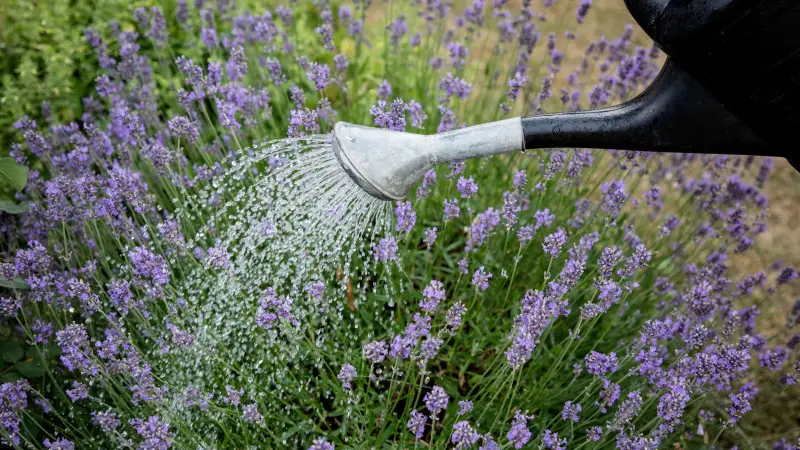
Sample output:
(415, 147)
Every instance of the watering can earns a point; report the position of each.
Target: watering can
(730, 85)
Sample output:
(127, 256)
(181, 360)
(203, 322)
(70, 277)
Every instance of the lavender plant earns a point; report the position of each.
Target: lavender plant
(182, 277)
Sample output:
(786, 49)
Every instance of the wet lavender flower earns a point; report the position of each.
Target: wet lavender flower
(58, 444)
(599, 364)
(406, 217)
(432, 295)
(321, 444)
(385, 90)
(455, 314)
(480, 279)
(376, 351)
(436, 400)
(571, 411)
(451, 209)
(614, 197)
(154, 431)
(519, 434)
(583, 9)
(416, 113)
(106, 420)
(465, 406)
(464, 436)
(347, 375)
(251, 414)
(467, 187)
(430, 237)
(773, 359)
(78, 392)
(553, 243)
(551, 441)
(416, 424)
(595, 434)
(385, 250)
(394, 118)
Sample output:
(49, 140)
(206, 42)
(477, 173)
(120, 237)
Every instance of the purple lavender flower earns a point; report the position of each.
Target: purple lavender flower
(406, 217)
(773, 359)
(787, 275)
(614, 197)
(321, 444)
(594, 434)
(147, 264)
(436, 400)
(106, 420)
(58, 444)
(480, 230)
(525, 234)
(598, 364)
(385, 250)
(672, 404)
(384, 90)
(417, 114)
(451, 209)
(543, 218)
(480, 279)
(416, 424)
(347, 375)
(740, 405)
(458, 54)
(519, 434)
(78, 392)
(218, 258)
(571, 411)
(583, 9)
(376, 351)
(393, 119)
(467, 187)
(398, 28)
(430, 347)
(74, 343)
(454, 315)
(553, 243)
(627, 411)
(250, 414)
(319, 74)
(154, 431)
(430, 237)
(232, 396)
(302, 121)
(465, 406)
(551, 441)
(183, 127)
(464, 436)
(432, 295)
(13, 399)
(608, 259)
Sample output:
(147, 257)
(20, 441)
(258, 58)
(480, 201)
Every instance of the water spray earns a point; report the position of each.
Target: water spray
(730, 85)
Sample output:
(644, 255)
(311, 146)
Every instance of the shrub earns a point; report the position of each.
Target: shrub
(172, 284)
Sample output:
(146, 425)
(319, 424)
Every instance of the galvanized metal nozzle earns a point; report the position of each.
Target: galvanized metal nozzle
(387, 164)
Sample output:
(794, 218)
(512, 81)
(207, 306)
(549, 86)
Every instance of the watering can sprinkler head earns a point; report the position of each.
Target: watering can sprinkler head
(730, 85)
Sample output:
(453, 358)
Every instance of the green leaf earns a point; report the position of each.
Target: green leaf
(12, 208)
(10, 377)
(11, 351)
(17, 283)
(13, 174)
(32, 368)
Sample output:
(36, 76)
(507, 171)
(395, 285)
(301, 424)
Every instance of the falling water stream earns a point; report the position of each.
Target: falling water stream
(288, 217)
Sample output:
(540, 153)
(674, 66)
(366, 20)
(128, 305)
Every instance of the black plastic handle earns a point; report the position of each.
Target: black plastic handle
(731, 84)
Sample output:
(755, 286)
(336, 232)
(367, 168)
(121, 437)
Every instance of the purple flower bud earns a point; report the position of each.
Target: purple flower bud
(436, 400)
(480, 279)
(553, 243)
(347, 375)
(416, 424)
